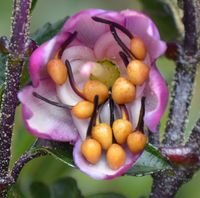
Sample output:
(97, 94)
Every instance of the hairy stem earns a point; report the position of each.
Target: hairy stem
(164, 185)
(24, 159)
(14, 65)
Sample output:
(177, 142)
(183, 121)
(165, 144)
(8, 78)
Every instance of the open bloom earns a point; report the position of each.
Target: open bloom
(97, 69)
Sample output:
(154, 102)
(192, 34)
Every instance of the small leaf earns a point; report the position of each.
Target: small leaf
(3, 58)
(39, 189)
(106, 195)
(65, 187)
(33, 4)
(48, 31)
(59, 150)
(149, 162)
(14, 192)
(162, 15)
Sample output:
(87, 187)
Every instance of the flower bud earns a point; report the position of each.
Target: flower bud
(57, 71)
(95, 87)
(138, 72)
(138, 48)
(115, 156)
(83, 109)
(121, 129)
(136, 142)
(123, 91)
(91, 150)
(103, 134)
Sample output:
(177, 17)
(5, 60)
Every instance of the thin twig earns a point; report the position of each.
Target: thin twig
(14, 65)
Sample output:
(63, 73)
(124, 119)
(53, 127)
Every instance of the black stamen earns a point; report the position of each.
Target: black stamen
(112, 106)
(93, 117)
(64, 106)
(72, 81)
(118, 26)
(66, 43)
(124, 58)
(120, 42)
(140, 125)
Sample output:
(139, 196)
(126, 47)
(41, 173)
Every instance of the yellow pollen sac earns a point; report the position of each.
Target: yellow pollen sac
(123, 91)
(83, 109)
(115, 156)
(103, 134)
(91, 150)
(137, 72)
(93, 88)
(57, 71)
(121, 129)
(138, 48)
(136, 142)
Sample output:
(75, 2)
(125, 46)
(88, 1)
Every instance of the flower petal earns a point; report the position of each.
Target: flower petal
(44, 120)
(41, 56)
(142, 26)
(89, 30)
(156, 99)
(101, 169)
(67, 95)
(82, 126)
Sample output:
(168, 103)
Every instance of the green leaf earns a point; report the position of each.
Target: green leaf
(106, 195)
(162, 15)
(14, 192)
(3, 58)
(150, 161)
(39, 189)
(33, 4)
(65, 187)
(59, 150)
(48, 31)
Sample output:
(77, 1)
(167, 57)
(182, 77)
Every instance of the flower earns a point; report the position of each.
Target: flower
(97, 89)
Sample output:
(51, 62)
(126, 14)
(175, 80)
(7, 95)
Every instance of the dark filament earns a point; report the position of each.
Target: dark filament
(64, 106)
(112, 109)
(94, 115)
(120, 42)
(66, 43)
(112, 116)
(116, 25)
(72, 81)
(124, 58)
(140, 125)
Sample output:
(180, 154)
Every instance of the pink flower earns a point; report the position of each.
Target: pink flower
(92, 44)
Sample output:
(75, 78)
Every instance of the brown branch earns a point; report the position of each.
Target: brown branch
(164, 185)
(14, 65)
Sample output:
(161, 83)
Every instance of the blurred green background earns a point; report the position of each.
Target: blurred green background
(48, 169)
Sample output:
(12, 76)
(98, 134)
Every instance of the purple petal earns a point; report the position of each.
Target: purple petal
(41, 56)
(89, 30)
(142, 26)
(101, 169)
(44, 120)
(156, 99)
(107, 48)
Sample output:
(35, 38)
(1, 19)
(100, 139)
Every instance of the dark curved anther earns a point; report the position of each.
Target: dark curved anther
(72, 81)
(120, 42)
(116, 25)
(64, 106)
(94, 115)
(124, 58)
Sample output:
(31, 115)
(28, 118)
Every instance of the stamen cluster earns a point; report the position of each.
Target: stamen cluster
(114, 138)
